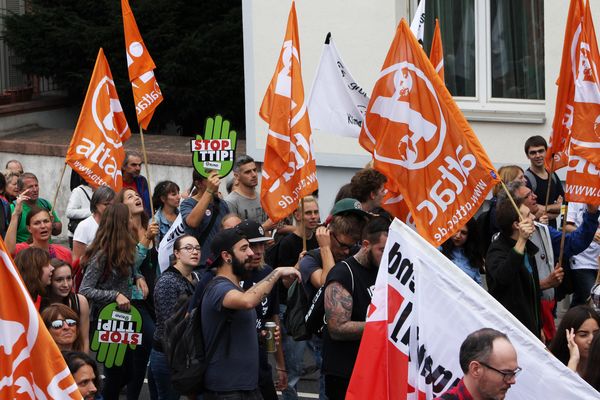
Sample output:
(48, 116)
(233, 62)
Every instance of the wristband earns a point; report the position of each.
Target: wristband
(210, 191)
(282, 370)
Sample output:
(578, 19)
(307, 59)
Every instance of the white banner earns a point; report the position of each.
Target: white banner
(417, 26)
(337, 104)
(165, 249)
(431, 306)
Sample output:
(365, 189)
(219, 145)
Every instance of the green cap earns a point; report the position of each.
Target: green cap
(349, 205)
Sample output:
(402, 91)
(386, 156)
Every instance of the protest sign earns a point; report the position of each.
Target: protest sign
(216, 150)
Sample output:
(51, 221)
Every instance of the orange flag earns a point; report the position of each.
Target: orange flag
(436, 55)
(31, 366)
(421, 141)
(289, 171)
(96, 151)
(563, 112)
(146, 92)
(585, 133)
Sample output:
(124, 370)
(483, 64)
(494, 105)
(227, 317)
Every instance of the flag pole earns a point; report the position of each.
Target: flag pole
(549, 185)
(511, 200)
(53, 205)
(147, 173)
(302, 224)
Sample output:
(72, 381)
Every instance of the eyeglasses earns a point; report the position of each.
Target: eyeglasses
(343, 245)
(59, 323)
(534, 152)
(506, 375)
(189, 248)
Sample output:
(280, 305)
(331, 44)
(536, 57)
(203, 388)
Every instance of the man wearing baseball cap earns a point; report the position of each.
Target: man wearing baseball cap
(266, 311)
(234, 367)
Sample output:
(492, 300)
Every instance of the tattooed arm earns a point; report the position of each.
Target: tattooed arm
(338, 311)
(249, 299)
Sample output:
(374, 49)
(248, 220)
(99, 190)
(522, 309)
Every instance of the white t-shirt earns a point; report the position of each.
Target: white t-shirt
(86, 231)
(587, 259)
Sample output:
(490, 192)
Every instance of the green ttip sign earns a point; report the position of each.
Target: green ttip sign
(115, 332)
(216, 150)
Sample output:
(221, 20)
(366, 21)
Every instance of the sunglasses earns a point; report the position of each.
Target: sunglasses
(59, 323)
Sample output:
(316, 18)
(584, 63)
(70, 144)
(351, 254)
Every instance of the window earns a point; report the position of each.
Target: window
(493, 56)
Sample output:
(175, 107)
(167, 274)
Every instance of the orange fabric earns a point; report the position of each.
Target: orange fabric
(31, 366)
(585, 133)
(289, 169)
(146, 92)
(96, 150)
(563, 112)
(436, 55)
(583, 181)
(421, 141)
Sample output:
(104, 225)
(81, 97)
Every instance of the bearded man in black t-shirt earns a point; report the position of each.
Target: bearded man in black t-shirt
(348, 292)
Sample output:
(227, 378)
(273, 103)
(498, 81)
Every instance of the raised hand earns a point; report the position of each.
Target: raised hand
(216, 128)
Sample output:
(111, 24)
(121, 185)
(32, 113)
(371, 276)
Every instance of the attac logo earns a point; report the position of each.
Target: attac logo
(419, 129)
(216, 151)
(96, 150)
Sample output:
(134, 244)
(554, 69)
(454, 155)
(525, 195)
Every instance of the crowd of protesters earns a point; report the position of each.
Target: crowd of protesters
(237, 266)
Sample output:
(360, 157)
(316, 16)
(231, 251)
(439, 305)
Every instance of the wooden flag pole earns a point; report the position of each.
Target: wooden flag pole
(53, 205)
(147, 173)
(512, 200)
(302, 224)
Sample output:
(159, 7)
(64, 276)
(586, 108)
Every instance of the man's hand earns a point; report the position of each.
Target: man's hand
(543, 219)
(19, 202)
(526, 229)
(288, 275)
(323, 237)
(554, 279)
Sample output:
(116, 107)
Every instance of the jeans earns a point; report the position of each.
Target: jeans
(583, 280)
(234, 395)
(162, 376)
(294, 356)
(315, 344)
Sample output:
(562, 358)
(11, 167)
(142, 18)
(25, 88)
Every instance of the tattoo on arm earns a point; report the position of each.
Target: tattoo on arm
(338, 312)
(264, 287)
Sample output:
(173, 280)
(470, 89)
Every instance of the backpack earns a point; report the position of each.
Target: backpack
(183, 344)
(297, 307)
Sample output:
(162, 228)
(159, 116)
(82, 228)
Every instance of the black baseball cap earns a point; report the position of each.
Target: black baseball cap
(253, 231)
(224, 241)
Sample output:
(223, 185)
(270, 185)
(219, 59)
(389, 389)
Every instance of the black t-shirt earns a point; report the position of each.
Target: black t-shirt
(287, 256)
(339, 356)
(541, 189)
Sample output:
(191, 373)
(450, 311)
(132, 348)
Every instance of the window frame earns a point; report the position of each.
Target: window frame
(484, 107)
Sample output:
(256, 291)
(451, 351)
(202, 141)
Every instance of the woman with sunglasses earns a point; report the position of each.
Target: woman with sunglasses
(177, 280)
(574, 336)
(63, 325)
(61, 291)
(36, 272)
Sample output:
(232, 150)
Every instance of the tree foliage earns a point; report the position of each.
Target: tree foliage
(196, 46)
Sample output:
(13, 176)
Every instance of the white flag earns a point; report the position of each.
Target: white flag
(417, 26)
(165, 248)
(337, 104)
(423, 308)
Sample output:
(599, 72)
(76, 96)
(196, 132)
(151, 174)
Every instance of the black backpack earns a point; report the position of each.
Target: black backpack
(183, 344)
(297, 307)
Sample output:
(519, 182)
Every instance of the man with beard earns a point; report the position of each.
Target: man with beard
(266, 311)
(234, 367)
(489, 362)
(348, 293)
